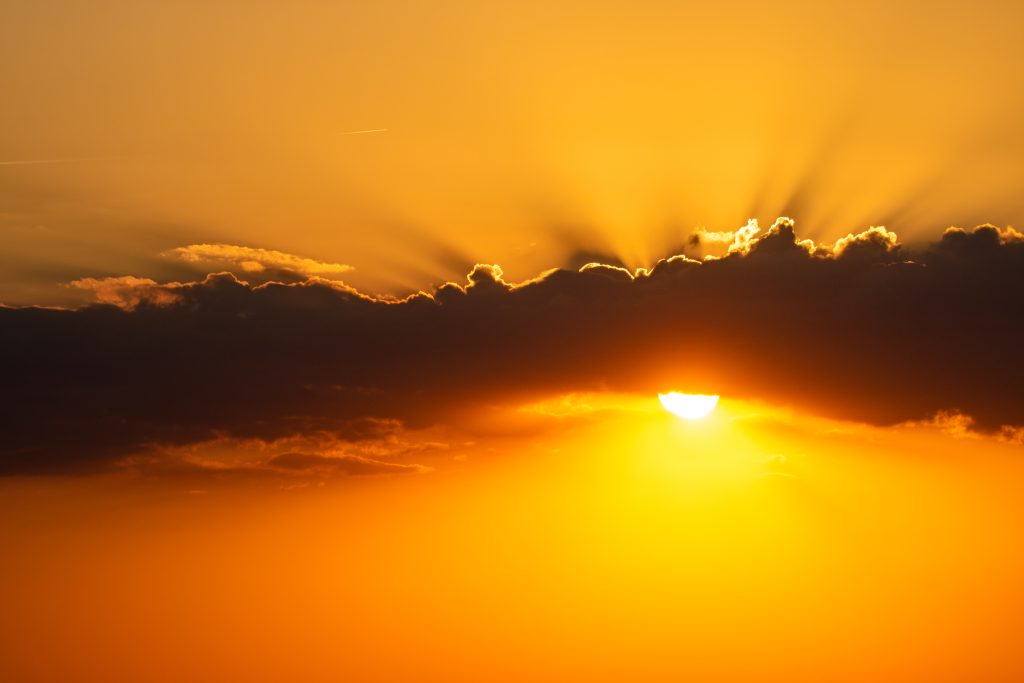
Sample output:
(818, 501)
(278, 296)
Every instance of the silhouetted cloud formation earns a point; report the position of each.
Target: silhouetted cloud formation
(863, 330)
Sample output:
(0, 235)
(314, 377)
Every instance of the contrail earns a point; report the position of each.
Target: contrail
(28, 162)
(360, 132)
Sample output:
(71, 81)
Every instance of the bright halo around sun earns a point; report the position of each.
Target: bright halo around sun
(688, 406)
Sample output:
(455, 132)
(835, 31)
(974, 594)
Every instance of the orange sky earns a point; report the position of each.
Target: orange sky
(333, 334)
(609, 541)
(516, 133)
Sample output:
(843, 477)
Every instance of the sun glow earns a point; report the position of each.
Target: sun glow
(688, 406)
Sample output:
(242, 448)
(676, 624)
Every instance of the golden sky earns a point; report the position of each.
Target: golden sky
(518, 133)
(334, 333)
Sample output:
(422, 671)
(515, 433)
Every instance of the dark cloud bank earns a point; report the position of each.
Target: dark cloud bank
(866, 331)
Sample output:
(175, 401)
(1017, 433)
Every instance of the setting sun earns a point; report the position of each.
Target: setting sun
(332, 333)
(688, 406)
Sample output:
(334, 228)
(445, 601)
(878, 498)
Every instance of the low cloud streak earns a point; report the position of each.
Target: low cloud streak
(253, 260)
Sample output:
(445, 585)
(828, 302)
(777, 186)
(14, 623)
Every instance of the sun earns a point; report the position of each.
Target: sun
(688, 406)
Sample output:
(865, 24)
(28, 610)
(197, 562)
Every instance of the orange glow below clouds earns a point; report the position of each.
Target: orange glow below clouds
(608, 541)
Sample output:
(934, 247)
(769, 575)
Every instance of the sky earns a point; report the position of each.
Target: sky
(334, 334)
(520, 133)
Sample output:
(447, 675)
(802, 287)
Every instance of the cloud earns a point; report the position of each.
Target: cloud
(703, 235)
(872, 241)
(866, 330)
(126, 291)
(744, 239)
(952, 423)
(350, 465)
(253, 260)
